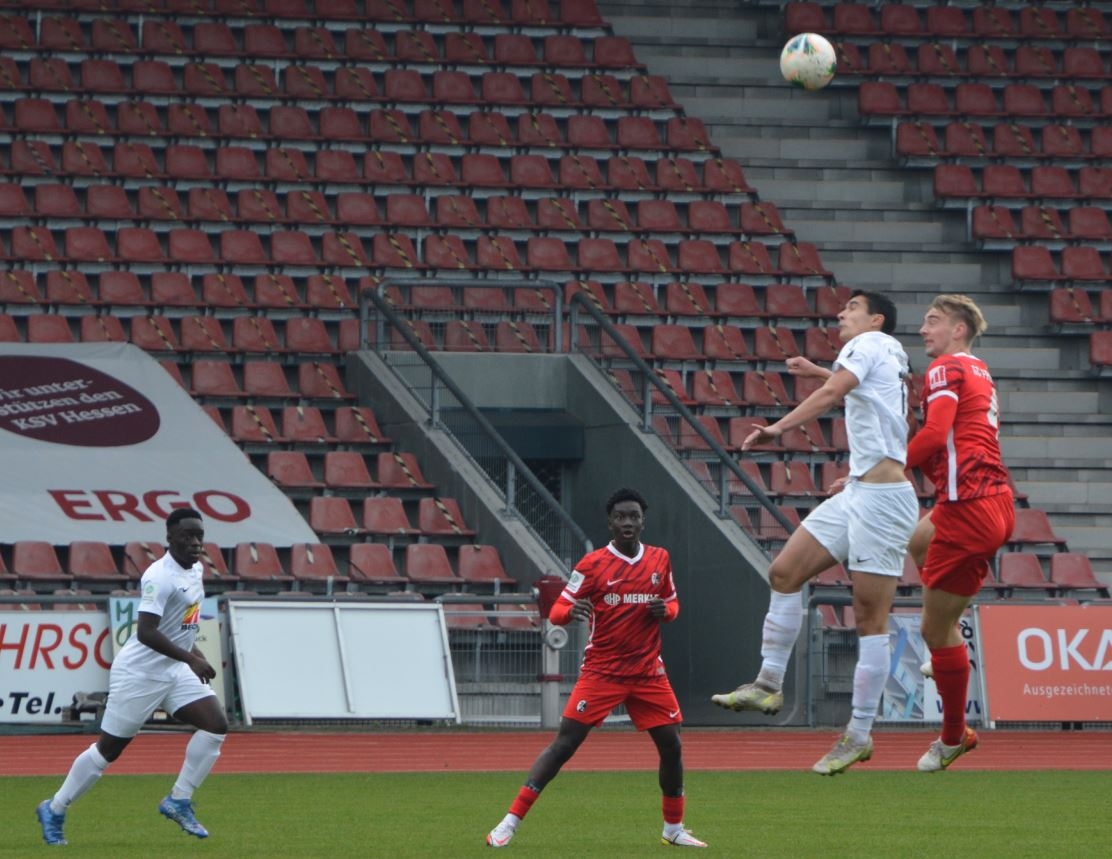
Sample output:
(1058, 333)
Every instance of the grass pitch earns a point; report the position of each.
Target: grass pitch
(744, 814)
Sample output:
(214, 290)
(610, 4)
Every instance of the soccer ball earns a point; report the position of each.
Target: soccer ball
(808, 61)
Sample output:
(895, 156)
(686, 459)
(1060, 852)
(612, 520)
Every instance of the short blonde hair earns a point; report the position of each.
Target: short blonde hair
(963, 309)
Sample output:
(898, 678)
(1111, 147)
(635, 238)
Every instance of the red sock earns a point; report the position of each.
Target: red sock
(673, 808)
(524, 801)
(951, 676)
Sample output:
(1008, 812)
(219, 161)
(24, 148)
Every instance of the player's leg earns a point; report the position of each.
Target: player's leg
(882, 521)
(569, 737)
(942, 612)
(920, 540)
(590, 702)
(968, 535)
(810, 550)
(131, 701)
(652, 707)
(194, 703)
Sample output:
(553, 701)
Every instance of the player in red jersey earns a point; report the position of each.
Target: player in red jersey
(625, 592)
(974, 511)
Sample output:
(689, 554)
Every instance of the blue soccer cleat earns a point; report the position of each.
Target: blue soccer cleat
(51, 823)
(181, 812)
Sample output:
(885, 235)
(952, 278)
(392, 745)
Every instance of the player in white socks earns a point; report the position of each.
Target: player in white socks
(866, 525)
(158, 667)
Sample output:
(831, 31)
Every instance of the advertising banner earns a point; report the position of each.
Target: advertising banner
(98, 442)
(1046, 663)
(908, 695)
(47, 657)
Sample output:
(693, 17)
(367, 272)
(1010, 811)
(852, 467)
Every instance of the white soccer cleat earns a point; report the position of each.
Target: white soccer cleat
(846, 753)
(939, 755)
(683, 838)
(501, 835)
(751, 696)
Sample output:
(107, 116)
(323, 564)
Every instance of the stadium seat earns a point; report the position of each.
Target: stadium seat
(479, 565)
(442, 517)
(332, 516)
(385, 516)
(139, 555)
(428, 564)
(258, 563)
(1073, 571)
(373, 563)
(725, 343)
(1032, 527)
(254, 425)
(314, 563)
(36, 560)
(89, 560)
(397, 470)
(290, 470)
(1022, 571)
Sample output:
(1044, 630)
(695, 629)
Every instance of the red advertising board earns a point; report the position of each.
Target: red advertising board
(1046, 663)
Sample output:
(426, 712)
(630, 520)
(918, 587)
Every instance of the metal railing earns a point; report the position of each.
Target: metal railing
(580, 304)
(450, 409)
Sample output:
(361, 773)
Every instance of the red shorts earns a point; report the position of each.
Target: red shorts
(967, 536)
(650, 703)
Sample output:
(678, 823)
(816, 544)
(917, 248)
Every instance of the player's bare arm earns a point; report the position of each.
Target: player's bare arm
(806, 369)
(833, 391)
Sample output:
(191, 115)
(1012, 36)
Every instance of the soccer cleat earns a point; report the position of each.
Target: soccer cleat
(181, 812)
(751, 696)
(500, 835)
(846, 753)
(939, 755)
(51, 823)
(683, 838)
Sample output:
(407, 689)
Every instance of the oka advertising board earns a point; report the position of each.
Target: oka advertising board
(98, 442)
(1046, 663)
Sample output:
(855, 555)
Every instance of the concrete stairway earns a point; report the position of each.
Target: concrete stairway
(838, 184)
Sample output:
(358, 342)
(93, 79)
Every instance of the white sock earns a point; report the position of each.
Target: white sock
(86, 770)
(672, 829)
(781, 628)
(200, 755)
(874, 661)
(510, 820)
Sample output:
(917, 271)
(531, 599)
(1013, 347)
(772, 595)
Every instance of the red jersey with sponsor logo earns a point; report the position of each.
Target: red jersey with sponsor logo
(969, 465)
(624, 642)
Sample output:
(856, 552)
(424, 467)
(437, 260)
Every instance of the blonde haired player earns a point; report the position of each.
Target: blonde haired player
(974, 511)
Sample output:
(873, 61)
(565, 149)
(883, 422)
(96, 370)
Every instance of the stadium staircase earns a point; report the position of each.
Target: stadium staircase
(216, 181)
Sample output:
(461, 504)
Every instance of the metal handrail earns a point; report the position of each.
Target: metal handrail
(517, 465)
(581, 301)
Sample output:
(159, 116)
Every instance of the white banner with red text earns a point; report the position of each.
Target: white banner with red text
(98, 442)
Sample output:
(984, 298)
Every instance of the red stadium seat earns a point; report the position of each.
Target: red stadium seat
(428, 564)
(385, 516)
(1019, 570)
(92, 561)
(442, 517)
(1073, 571)
(258, 563)
(313, 562)
(332, 516)
(481, 566)
(373, 563)
(397, 470)
(36, 560)
(290, 470)
(1032, 526)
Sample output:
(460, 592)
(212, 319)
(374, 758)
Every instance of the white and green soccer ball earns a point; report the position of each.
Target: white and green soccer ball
(808, 61)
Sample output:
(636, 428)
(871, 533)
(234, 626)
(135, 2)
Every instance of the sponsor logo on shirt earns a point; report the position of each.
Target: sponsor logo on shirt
(937, 377)
(574, 582)
(192, 617)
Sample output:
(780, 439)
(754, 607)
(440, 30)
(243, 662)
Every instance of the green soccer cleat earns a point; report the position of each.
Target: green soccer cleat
(751, 696)
(846, 753)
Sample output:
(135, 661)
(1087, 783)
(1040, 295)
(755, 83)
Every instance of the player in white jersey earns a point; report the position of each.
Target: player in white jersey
(158, 667)
(866, 525)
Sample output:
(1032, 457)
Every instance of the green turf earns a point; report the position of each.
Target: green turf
(867, 814)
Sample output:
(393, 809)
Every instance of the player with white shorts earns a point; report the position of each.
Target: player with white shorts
(865, 526)
(158, 667)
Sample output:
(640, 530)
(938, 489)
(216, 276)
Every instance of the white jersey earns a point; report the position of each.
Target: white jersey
(174, 593)
(876, 410)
